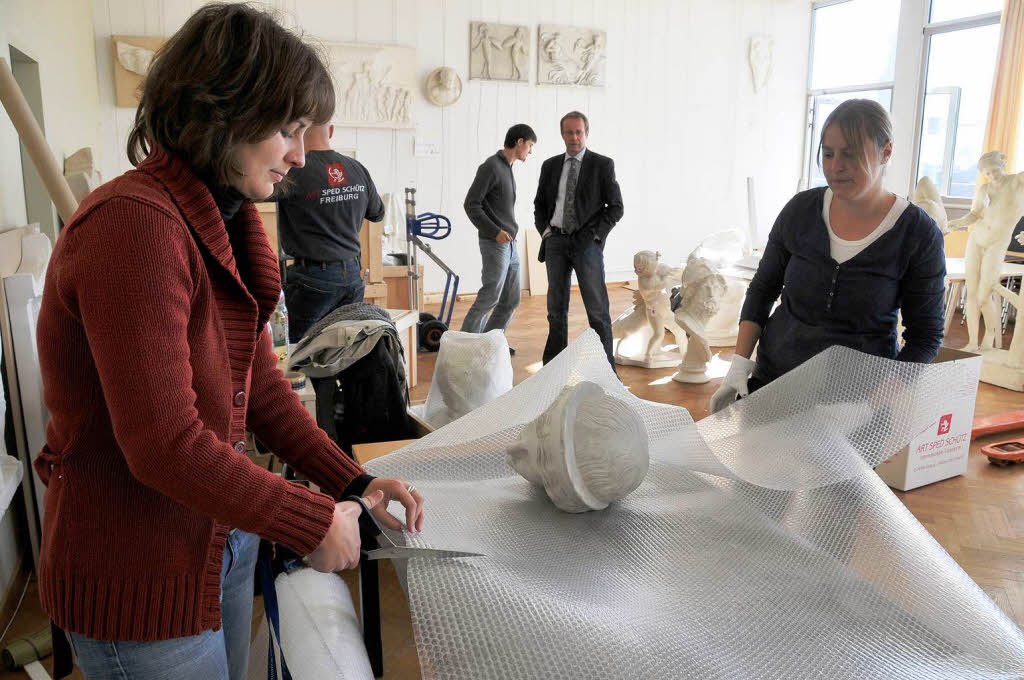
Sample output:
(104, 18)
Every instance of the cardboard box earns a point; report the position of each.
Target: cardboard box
(940, 450)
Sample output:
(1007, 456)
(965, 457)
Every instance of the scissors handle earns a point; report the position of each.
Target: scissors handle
(369, 527)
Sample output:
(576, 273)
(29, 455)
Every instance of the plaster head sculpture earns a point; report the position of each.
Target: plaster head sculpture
(472, 369)
(587, 450)
(992, 165)
(927, 198)
(702, 287)
(645, 261)
(759, 56)
(701, 291)
(444, 87)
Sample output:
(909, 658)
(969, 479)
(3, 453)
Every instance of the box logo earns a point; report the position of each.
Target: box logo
(336, 174)
(945, 422)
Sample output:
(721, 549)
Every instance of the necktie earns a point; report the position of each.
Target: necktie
(569, 221)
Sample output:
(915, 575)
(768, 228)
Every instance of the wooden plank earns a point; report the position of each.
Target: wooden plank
(537, 272)
(364, 453)
(397, 280)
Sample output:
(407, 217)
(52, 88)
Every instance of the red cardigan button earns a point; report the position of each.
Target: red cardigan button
(240, 447)
(239, 398)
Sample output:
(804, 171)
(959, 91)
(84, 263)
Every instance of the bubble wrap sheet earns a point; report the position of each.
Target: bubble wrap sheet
(760, 545)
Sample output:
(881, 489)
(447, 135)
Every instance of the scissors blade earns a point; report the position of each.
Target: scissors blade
(405, 552)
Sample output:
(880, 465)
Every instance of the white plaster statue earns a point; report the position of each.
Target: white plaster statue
(926, 197)
(587, 450)
(997, 208)
(759, 56)
(639, 334)
(133, 58)
(444, 86)
(472, 369)
(700, 294)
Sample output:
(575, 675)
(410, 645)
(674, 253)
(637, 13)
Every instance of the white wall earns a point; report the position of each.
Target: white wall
(678, 114)
(58, 34)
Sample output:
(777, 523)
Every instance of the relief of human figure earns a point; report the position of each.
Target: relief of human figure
(997, 208)
(403, 109)
(516, 44)
(485, 42)
(556, 55)
(591, 57)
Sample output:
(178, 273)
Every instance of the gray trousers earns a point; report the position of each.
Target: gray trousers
(499, 290)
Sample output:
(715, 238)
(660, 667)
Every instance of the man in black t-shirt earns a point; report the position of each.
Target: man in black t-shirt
(318, 223)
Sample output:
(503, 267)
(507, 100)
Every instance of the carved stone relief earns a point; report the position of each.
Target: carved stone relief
(373, 84)
(498, 51)
(759, 55)
(570, 56)
(443, 86)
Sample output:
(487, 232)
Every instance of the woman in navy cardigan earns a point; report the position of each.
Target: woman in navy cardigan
(846, 258)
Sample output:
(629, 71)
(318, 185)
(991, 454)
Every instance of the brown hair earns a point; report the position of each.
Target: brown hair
(575, 114)
(859, 119)
(231, 75)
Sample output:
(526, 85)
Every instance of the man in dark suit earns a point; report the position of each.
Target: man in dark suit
(577, 204)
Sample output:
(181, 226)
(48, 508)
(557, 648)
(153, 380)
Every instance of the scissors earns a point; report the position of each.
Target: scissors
(370, 529)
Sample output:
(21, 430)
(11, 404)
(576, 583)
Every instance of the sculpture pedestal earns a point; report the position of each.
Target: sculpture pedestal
(631, 334)
(996, 370)
(695, 374)
(658, 360)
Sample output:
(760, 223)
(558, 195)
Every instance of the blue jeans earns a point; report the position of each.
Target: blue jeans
(563, 254)
(212, 655)
(499, 289)
(313, 291)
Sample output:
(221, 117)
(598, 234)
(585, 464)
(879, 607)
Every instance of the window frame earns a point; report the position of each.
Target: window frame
(930, 29)
(810, 148)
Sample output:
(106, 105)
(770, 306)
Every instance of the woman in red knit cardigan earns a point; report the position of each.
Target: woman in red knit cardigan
(155, 359)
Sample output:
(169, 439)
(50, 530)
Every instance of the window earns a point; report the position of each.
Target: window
(959, 57)
(866, 28)
(948, 10)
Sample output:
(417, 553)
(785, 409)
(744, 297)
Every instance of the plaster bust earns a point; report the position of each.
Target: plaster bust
(587, 450)
(702, 287)
(444, 86)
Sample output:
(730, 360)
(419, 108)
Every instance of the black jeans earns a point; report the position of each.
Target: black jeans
(564, 254)
(312, 291)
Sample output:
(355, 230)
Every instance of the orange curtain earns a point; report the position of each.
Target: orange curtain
(1004, 118)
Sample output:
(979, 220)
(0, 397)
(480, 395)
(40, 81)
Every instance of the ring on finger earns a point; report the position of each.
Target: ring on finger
(410, 488)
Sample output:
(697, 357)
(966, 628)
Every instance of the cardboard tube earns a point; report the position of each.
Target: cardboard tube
(32, 137)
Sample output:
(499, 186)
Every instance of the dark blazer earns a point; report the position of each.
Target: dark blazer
(598, 198)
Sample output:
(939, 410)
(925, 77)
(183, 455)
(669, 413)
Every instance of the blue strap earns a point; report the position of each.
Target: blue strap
(266, 576)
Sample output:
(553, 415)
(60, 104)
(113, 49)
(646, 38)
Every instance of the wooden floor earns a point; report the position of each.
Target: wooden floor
(978, 518)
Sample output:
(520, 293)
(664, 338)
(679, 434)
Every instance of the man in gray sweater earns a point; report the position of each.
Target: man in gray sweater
(490, 205)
